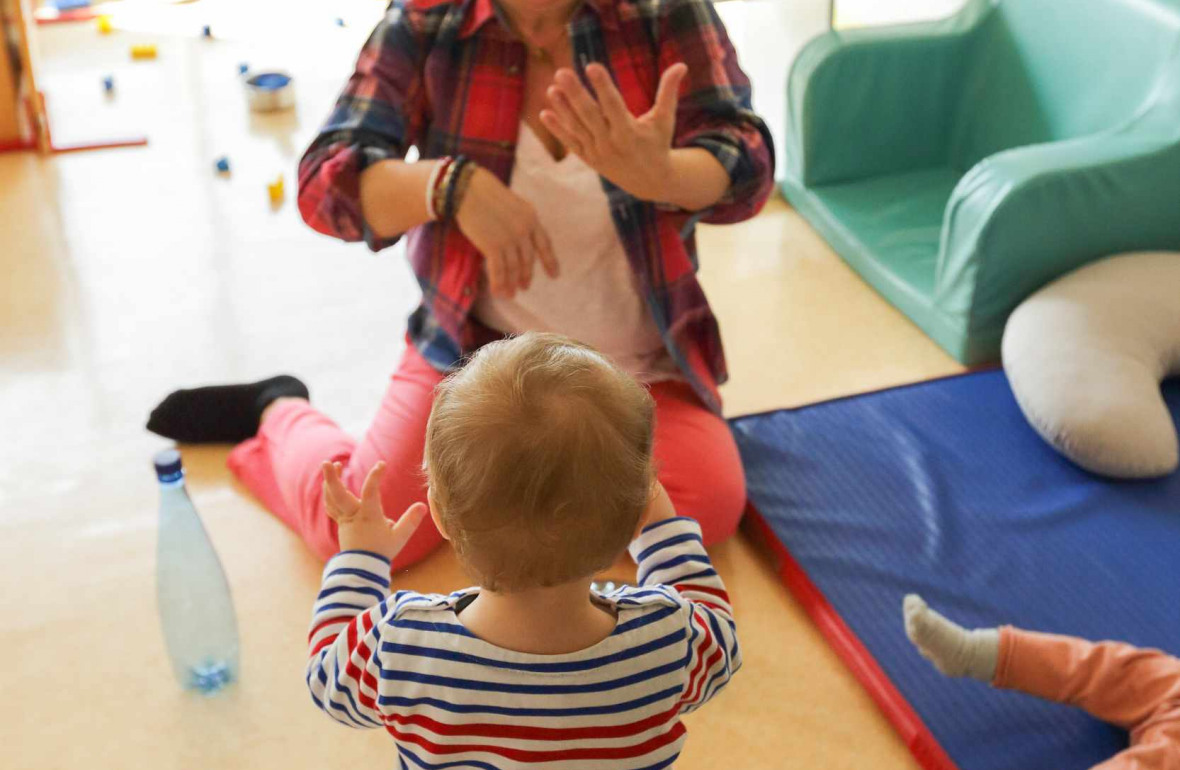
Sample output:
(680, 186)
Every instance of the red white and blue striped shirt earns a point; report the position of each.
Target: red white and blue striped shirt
(405, 663)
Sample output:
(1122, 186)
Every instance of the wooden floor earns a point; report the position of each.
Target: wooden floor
(127, 273)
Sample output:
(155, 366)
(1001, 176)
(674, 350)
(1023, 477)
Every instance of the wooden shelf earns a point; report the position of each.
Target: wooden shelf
(22, 115)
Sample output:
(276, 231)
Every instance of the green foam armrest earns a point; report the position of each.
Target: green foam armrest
(868, 102)
(1023, 217)
(960, 165)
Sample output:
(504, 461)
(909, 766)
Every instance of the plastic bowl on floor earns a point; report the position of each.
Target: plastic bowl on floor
(269, 91)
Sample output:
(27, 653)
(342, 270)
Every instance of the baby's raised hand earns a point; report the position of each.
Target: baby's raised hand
(659, 509)
(360, 522)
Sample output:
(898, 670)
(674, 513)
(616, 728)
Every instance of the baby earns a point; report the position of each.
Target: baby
(538, 456)
(1138, 690)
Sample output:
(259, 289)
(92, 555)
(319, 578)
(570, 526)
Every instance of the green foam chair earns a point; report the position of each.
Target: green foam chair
(960, 165)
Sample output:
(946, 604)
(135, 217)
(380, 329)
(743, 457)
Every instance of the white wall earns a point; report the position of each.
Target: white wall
(856, 13)
(769, 33)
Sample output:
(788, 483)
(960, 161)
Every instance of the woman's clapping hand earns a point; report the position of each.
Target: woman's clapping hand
(506, 230)
(634, 153)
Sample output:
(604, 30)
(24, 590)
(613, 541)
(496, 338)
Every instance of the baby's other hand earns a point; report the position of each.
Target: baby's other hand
(659, 509)
(361, 523)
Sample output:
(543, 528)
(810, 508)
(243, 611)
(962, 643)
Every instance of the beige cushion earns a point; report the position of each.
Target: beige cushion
(1086, 355)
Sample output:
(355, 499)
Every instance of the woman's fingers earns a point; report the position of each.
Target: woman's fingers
(495, 265)
(524, 265)
(571, 124)
(668, 93)
(564, 134)
(544, 249)
(528, 256)
(584, 107)
(613, 107)
(511, 261)
(504, 227)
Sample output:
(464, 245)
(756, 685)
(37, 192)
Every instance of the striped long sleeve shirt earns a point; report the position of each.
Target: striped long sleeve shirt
(404, 662)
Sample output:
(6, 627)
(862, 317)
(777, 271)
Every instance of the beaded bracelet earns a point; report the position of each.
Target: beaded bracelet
(432, 185)
(462, 181)
(449, 186)
(439, 188)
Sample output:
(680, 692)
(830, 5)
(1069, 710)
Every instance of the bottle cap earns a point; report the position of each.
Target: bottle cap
(168, 467)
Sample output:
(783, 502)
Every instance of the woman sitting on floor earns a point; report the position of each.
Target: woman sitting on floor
(568, 148)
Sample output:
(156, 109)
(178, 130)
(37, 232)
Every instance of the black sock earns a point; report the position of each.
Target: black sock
(220, 414)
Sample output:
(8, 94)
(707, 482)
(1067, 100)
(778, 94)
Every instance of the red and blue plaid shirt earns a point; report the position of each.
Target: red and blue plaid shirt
(447, 77)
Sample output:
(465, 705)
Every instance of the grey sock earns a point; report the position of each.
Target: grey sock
(952, 649)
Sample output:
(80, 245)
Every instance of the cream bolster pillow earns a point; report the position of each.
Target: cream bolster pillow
(1086, 354)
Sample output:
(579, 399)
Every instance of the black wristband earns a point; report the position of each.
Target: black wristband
(460, 162)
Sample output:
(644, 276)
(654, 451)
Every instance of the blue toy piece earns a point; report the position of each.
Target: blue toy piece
(271, 81)
(339, 22)
(243, 68)
(222, 165)
(108, 84)
(206, 31)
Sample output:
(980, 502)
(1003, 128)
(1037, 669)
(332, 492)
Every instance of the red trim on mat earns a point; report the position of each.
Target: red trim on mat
(917, 736)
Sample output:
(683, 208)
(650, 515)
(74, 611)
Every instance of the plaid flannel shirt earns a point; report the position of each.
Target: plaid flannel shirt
(447, 77)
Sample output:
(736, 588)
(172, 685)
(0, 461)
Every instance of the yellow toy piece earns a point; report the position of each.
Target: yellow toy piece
(276, 190)
(104, 24)
(143, 52)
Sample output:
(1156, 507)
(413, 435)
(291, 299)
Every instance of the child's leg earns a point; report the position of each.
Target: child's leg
(1132, 688)
(954, 650)
(281, 465)
(698, 461)
(1138, 690)
(1156, 750)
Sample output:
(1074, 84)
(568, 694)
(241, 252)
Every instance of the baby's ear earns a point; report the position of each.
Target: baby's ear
(434, 513)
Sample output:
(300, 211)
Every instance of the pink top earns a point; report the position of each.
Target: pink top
(595, 299)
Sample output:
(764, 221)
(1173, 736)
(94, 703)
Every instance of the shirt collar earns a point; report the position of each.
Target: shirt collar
(480, 12)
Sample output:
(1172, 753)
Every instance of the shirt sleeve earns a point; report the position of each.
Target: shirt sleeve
(715, 111)
(377, 116)
(671, 553)
(344, 640)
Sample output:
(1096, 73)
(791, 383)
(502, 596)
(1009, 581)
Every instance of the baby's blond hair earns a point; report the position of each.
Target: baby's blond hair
(538, 453)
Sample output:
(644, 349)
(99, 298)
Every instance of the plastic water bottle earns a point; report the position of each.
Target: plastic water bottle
(196, 611)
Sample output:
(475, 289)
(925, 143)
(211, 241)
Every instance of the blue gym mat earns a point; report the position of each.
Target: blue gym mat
(943, 489)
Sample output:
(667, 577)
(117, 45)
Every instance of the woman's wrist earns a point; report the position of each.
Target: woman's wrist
(392, 196)
(460, 184)
(435, 184)
(692, 179)
(448, 186)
